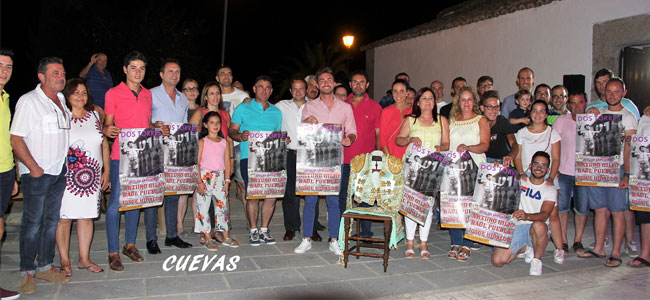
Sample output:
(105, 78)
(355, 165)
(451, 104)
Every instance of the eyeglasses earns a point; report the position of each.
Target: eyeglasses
(484, 86)
(191, 89)
(538, 164)
(491, 107)
(558, 97)
(62, 120)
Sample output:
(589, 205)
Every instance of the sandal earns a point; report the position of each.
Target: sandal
(66, 271)
(617, 262)
(410, 253)
(590, 253)
(463, 254)
(642, 263)
(453, 253)
(424, 252)
(230, 242)
(211, 245)
(216, 236)
(93, 267)
(202, 239)
(578, 247)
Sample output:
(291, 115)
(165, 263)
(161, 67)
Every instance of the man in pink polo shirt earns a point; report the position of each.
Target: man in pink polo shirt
(128, 105)
(367, 114)
(326, 109)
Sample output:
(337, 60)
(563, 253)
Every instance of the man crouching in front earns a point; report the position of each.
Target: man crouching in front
(531, 232)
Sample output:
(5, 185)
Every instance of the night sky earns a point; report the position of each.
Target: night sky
(263, 37)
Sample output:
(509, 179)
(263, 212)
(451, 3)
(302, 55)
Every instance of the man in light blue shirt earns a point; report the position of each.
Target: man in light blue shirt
(168, 106)
(258, 115)
(525, 81)
(600, 81)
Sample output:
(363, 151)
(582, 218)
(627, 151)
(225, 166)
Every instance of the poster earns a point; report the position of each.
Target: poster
(180, 151)
(496, 197)
(599, 149)
(422, 173)
(457, 189)
(267, 164)
(142, 182)
(639, 190)
(318, 159)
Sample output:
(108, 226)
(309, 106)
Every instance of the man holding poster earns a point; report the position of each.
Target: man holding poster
(531, 232)
(326, 109)
(258, 115)
(128, 105)
(169, 106)
(614, 199)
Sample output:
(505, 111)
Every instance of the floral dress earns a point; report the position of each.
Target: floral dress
(215, 194)
(84, 162)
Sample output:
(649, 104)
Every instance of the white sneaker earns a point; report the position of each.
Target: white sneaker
(529, 254)
(304, 246)
(558, 256)
(334, 247)
(535, 267)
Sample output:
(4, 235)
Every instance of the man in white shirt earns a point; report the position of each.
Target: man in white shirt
(531, 232)
(231, 98)
(291, 115)
(612, 199)
(39, 137)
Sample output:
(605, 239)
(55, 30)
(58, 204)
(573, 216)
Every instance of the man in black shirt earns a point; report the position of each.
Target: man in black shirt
(502, 139)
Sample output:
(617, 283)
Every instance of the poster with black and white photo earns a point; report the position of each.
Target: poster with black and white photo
(318, 159)
(142, 182)
(180, 150)
(599, 149)
(496, 197)
(267, 164)
(457, 189)
(422, 171)
(639, 190)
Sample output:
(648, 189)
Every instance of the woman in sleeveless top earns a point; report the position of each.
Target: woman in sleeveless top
(391, 119)
(428, 129)
(85, 180)
(211, 100)
(191, 92)
(468, 131)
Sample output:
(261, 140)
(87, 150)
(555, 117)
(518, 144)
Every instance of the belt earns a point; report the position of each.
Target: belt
(294, 151)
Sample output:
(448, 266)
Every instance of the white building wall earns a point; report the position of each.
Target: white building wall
(553, 40)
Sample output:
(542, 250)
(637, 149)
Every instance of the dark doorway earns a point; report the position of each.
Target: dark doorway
(635, 71)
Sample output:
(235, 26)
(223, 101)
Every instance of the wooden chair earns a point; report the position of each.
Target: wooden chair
(384, 199)
(361, 241)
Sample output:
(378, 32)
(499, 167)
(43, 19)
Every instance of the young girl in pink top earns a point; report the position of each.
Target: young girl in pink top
(214, 180)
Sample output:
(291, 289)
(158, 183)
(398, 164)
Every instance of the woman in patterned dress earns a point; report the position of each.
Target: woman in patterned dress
(85, 179)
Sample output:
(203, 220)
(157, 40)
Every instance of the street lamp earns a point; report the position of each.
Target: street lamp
(348, 40)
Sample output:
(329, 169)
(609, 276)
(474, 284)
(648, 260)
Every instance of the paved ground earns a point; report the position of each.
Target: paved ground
(267, 272)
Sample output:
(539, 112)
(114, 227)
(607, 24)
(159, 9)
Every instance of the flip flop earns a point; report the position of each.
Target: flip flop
(66, 271)
(591, 254)
(612, 259)
(92, 268)
(643, 263)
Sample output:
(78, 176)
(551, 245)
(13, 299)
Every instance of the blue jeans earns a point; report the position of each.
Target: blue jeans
(343, 197)
(333, 215)
(7, 180)
(132, 217)
(456, 236)
(41, 207)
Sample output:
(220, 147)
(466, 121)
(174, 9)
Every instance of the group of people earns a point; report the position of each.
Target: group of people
(61, 136)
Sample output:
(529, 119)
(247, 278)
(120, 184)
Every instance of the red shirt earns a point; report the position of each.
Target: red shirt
(391, 121)
(225, 118)
(128, 111)
(367, 114)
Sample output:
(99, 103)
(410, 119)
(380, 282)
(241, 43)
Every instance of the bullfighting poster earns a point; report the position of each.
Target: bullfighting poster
(457, 189)
(180, 151)
(142, 182)
(639, 190)
(422, 171)
(318, 159)
(267, 164)
(599, 149)
(496, 197)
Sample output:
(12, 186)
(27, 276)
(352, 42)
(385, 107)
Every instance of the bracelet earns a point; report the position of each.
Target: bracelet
(626, 174)
(227, 180)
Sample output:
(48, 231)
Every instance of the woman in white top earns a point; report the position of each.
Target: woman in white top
(539, 136)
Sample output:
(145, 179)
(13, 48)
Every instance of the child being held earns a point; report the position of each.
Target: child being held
(520, 116)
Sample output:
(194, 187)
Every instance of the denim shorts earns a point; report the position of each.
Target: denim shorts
(612, 198)
(568, 188)
(520, 238)
(7, 180)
